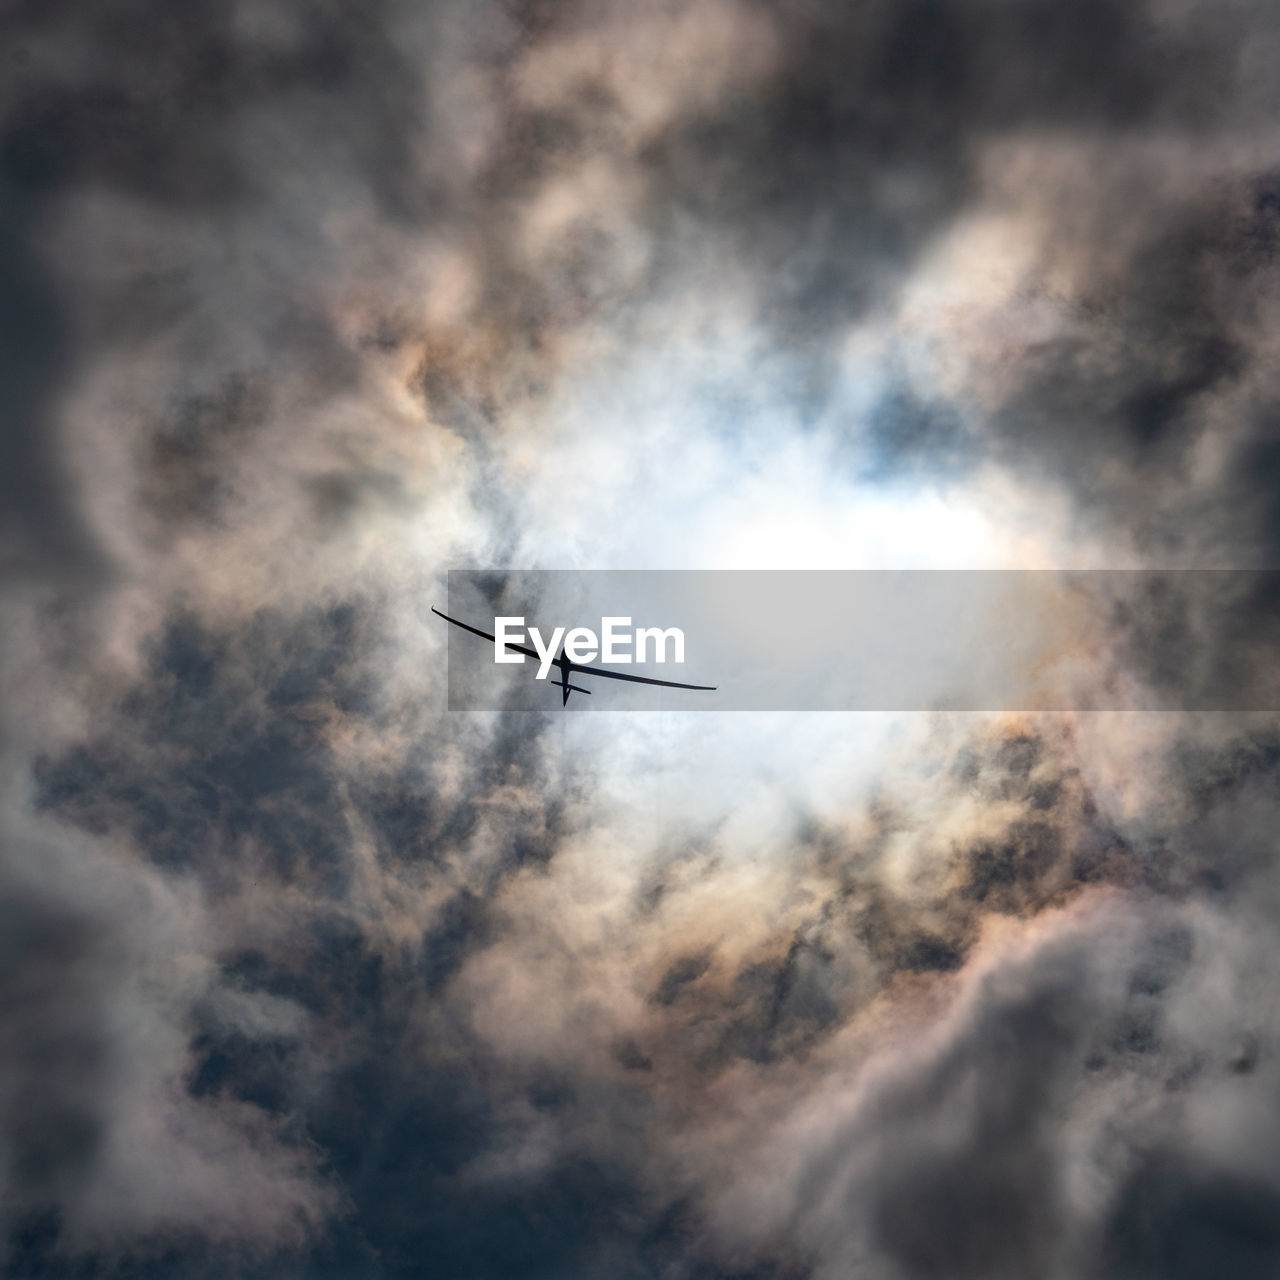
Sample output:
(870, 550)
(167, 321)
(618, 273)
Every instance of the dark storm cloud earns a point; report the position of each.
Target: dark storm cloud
(381, 1073)
(297, 981)
(131, 99)
(936, 1211)
(210, 148)
(867, 931)
(377, 1072)
(57, 987)
(223, 753)
(152, 106)
(360, 1051)
(214, 769)
(1178, 1220)
(1116, 406)
(224, 759)
(839, 169)
(984, 1154)
(42, 529)
(105, 1150)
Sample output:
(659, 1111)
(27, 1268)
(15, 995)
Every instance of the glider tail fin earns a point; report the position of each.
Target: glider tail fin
(566, 689)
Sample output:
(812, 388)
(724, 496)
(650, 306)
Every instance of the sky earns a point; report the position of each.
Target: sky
(304, 304)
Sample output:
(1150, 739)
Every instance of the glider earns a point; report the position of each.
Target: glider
(567, 668)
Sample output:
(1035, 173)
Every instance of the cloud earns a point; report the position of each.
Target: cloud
(103, 1138)
(305, 975)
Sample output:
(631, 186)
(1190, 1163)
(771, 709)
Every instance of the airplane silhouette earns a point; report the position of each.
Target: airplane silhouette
(567, 668)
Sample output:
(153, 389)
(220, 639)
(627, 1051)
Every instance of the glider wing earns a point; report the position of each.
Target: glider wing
(618, 675)
(484, 635)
